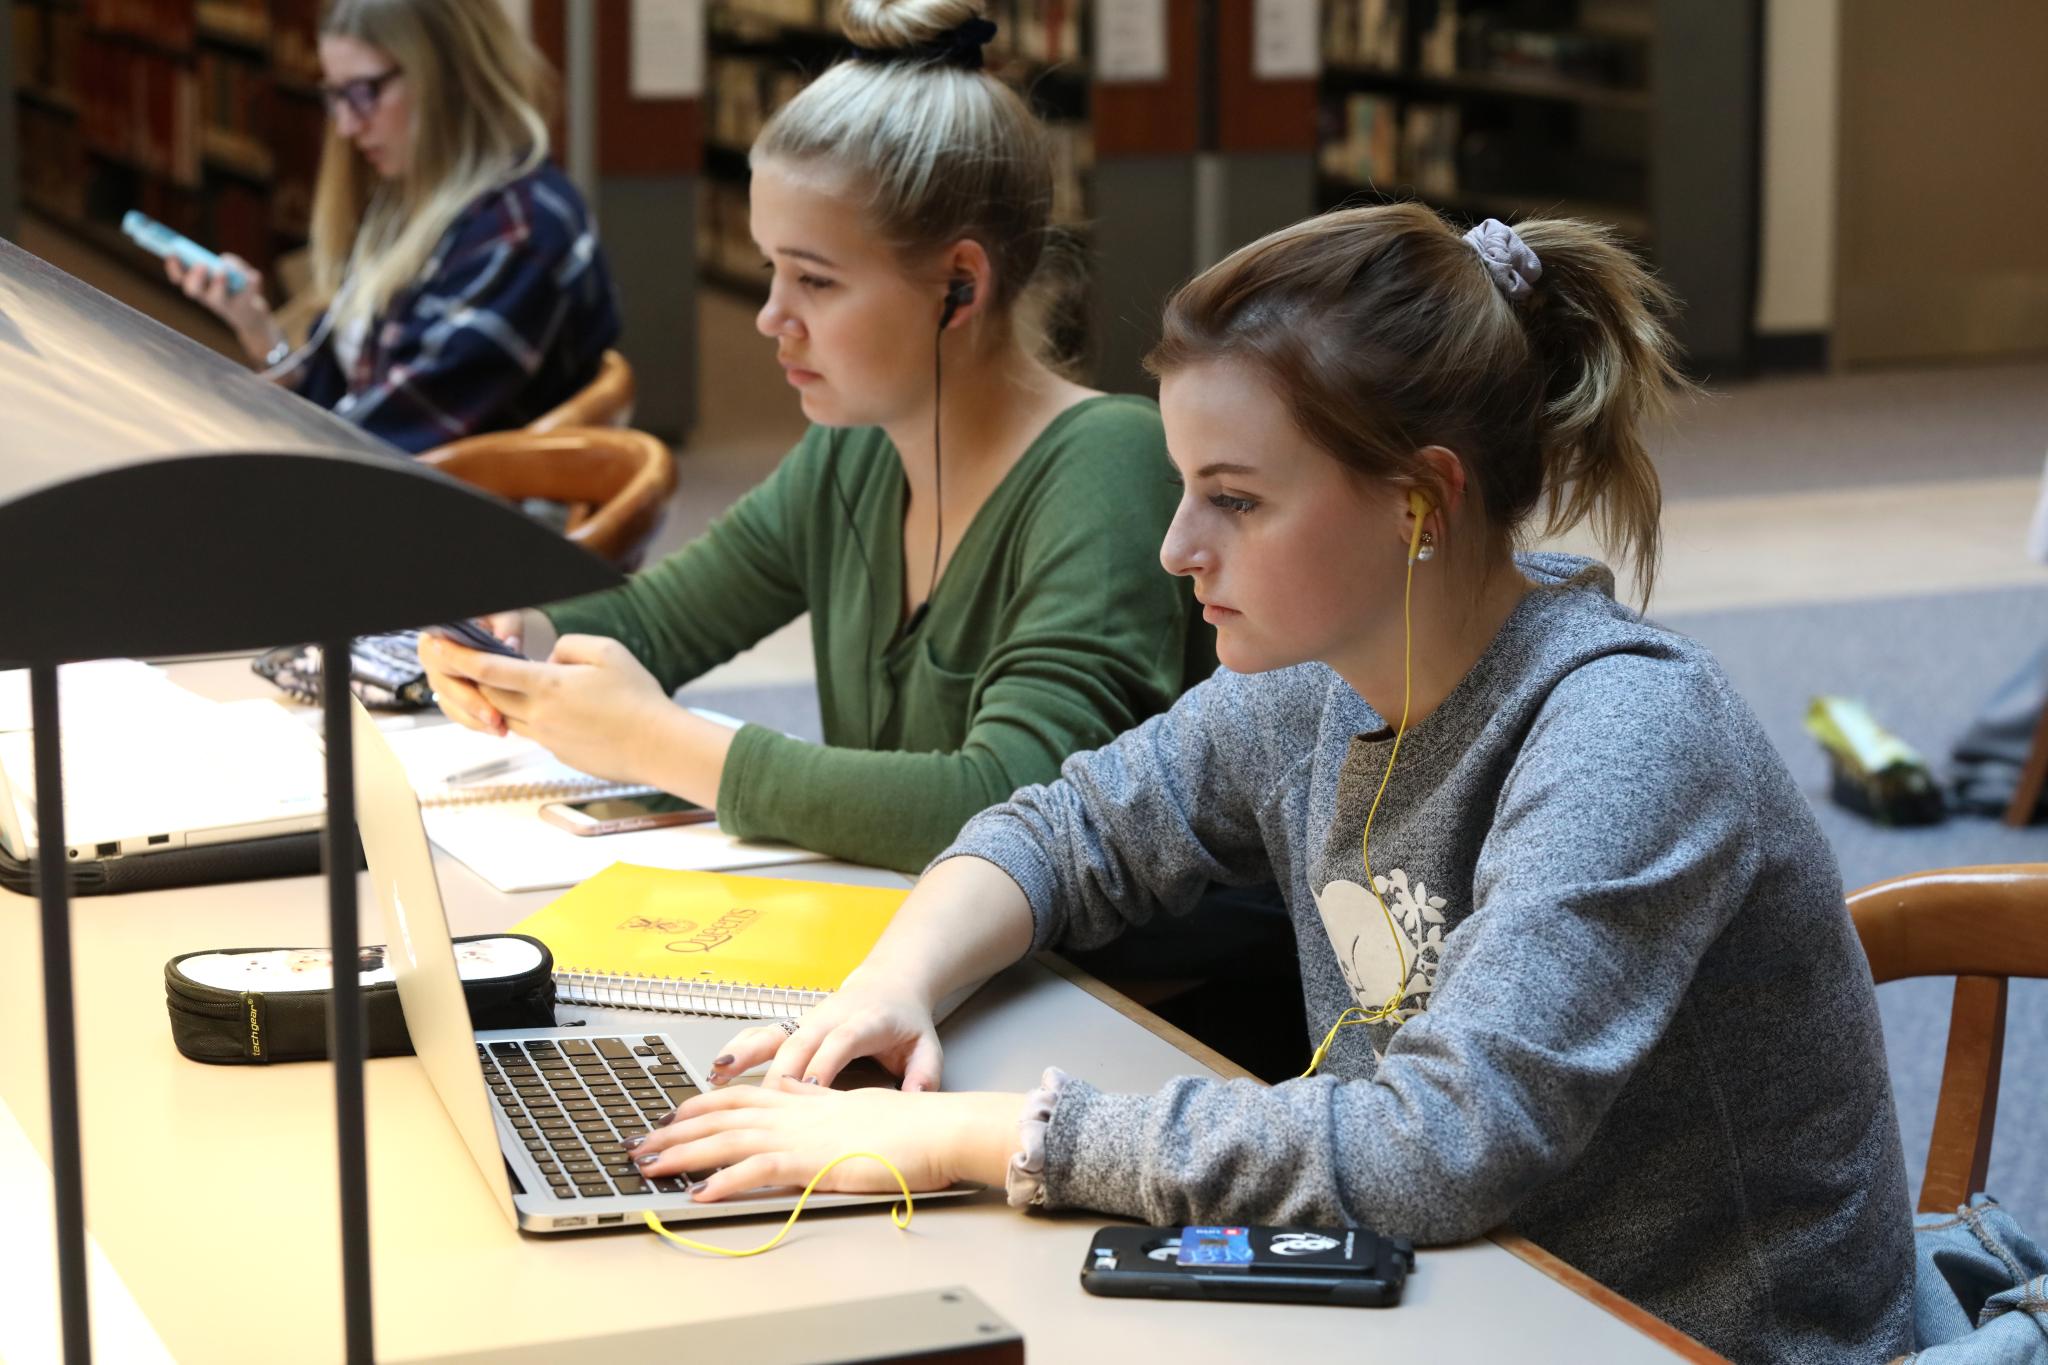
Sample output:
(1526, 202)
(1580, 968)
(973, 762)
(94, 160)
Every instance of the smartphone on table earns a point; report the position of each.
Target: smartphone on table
(473, 636)
(622, 814)
(1354, 1267)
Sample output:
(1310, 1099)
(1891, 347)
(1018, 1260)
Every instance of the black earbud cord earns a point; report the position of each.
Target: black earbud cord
(953, 301)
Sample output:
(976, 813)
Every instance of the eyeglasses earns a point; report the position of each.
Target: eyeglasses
(360, 95)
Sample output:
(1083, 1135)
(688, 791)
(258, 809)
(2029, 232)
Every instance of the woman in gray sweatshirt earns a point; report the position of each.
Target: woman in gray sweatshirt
(1573, 949)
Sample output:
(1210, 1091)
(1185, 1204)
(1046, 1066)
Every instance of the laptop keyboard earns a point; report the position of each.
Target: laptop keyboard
(573, 1101)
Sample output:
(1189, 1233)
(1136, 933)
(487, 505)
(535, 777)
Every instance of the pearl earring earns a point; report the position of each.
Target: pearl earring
(1427, 550)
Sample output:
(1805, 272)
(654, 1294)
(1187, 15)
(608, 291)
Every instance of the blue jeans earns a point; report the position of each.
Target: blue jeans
(1980, 1291)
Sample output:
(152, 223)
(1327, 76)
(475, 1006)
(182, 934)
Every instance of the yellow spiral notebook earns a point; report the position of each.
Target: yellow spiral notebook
(708, 942)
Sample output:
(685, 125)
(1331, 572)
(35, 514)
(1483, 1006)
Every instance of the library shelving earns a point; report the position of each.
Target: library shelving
(1641, 114)
(204, 114)
(761, 52)
(1490, 107)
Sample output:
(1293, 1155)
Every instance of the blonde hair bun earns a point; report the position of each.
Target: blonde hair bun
(893, 25)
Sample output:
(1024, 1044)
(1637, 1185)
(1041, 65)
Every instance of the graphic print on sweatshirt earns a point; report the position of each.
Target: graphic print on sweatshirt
(1365, 950)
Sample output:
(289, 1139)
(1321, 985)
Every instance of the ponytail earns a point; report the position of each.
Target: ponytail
(1595, 320)
(1385, 331)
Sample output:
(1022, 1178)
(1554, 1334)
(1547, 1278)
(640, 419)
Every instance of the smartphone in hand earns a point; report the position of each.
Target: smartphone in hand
(473, 636)
(622, 814)
(162, 242)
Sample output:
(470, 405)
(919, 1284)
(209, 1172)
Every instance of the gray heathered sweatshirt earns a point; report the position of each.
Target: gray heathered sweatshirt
(1638, 1027)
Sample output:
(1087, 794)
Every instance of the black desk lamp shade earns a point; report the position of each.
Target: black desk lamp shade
(156, 498)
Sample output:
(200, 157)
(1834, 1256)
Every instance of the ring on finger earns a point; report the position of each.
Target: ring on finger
(788, 1027)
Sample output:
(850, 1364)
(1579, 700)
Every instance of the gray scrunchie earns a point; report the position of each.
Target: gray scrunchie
(1508, 259)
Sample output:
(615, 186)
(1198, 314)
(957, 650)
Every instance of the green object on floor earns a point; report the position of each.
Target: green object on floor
(1873, 771)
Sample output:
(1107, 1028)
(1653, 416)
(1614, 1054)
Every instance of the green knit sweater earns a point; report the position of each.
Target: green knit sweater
(1052, 630)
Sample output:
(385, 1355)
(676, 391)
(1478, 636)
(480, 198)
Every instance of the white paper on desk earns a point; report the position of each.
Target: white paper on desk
(668, 49)
(433, 754)
(512, 848)
(1287, 40)
(1130, 41)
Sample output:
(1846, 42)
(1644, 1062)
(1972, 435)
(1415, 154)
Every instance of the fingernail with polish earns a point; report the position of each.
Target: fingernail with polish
(810, 1080)
(647, 1160)
(670, 1117)
(720, 1063)
(630, 1143)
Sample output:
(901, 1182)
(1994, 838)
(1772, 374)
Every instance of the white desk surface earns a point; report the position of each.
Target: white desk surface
(211, 1189)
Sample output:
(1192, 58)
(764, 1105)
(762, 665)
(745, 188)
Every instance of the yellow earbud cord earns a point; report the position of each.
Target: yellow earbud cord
(1356, 1014)
(899, 1214)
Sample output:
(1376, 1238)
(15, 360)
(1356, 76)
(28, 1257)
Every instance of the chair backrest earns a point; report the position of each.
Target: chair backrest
(606, 401)
(1983, 926)
(624, 477)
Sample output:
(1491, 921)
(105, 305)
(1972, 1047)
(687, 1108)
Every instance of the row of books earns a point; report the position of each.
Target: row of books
(1611, 60)
(1370, 140)
(1364, 33)
(140, 107)
(246, 21)
(46, 51)
(294, 44)
(234, 104)
(740, 93)
(167, 23)
(51, 152)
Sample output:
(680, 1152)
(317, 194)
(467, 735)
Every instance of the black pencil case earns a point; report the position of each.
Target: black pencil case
(508, 980)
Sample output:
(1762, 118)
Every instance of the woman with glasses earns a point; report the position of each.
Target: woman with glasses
(464, 285)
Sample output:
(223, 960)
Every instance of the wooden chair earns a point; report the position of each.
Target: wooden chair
(623, 478)
(2026, 797)
(1983, 926)
(606, 401)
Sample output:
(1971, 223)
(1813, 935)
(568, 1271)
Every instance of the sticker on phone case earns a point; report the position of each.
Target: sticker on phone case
(1215, 1246)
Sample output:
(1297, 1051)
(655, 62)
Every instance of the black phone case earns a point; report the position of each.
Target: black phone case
(1120, 1264)
(473, 636)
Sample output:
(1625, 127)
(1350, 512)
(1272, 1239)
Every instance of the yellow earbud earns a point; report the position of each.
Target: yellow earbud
(1421, 506)
(1419, 503)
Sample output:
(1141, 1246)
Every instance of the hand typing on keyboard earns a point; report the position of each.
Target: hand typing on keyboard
(782, 1132)
(574, 1102)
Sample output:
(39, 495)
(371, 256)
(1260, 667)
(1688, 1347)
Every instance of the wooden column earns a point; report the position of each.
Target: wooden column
(649, 155)
(1263, 164)
(1146, 136)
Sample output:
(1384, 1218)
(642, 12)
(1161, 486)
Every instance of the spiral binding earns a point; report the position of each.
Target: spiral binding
(573, 789)
(677, 995)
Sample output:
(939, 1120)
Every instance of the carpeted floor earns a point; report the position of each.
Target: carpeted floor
(1924, 666)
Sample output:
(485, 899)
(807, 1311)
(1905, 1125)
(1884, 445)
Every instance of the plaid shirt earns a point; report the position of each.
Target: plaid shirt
(509, 317)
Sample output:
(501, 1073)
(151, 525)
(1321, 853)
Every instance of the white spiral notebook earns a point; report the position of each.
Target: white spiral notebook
(437, 757)
(492, 824)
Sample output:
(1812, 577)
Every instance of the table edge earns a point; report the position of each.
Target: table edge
(1514, 1243)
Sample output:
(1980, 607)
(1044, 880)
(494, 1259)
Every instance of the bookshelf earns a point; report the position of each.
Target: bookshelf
(1641, 114)
(204, 114)
(761, 52)
(1490, 108)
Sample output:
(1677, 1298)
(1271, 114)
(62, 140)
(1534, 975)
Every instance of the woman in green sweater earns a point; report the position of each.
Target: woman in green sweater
(974, 622)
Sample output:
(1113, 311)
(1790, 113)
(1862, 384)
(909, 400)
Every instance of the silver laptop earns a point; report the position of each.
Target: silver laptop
(543, 1111)
(169, 776)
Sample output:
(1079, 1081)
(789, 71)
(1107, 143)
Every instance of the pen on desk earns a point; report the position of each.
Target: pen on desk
(484, 770)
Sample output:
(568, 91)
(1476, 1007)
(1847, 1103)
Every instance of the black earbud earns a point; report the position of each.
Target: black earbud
(958, 294)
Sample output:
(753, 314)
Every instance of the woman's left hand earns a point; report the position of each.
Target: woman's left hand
(782, 1133)
(592, 704)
